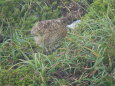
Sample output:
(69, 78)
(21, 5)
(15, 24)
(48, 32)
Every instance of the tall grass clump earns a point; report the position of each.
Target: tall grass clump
(86, 58)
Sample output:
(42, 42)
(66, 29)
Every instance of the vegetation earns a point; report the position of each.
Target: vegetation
(86, 58)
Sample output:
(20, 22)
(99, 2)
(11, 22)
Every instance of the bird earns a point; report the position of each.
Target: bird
(48, 34)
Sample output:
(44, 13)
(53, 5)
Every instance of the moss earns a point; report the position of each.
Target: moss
(100, 8)
(21, 77)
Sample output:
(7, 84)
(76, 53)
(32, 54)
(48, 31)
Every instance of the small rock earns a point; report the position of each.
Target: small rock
(74, 24)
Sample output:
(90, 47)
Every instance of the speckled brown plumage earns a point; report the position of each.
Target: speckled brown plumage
(49, 33)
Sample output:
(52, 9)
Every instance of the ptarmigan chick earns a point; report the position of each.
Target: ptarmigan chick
(49, 33)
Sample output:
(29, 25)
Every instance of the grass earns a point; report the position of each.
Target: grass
(86, 58)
